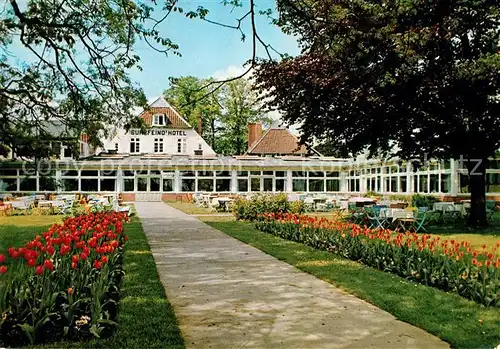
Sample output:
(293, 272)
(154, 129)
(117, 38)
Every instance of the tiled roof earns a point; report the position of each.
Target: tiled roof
(278, 141)
(161, 106)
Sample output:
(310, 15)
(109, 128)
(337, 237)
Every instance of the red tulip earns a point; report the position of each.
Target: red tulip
(50, 250)
(75, 258)
(3, 269)
(64, 250)
(48, 264)
(83, 256)
(97, 264)
(32, 262)
(74, 265)
(39, 269)
(70, 291)
(104, 259)
(2, 258)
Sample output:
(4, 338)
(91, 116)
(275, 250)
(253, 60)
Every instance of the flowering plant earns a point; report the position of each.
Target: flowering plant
(64, 283)
(446, 264)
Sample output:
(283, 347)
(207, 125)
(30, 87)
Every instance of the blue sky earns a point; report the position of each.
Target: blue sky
(207, 49)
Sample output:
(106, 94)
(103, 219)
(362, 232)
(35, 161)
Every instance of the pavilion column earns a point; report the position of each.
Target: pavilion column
(119, 181)
(344, 183)
(177, 182)
(234, 181)
(455, 180)
(58, 181)
(409, 178)
(289, 184)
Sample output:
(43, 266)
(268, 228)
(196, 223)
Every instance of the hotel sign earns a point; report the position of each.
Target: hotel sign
(157, 132)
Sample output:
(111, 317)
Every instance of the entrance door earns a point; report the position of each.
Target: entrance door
(148, 189)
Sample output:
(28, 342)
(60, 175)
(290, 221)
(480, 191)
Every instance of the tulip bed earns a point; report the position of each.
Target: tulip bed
(445, 264)
(65, 283)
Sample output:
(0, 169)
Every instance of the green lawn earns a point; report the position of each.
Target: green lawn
(462, 323)
(146, 318)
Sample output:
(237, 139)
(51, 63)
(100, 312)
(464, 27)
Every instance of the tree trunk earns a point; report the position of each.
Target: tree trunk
(477, 175)
(212, 126)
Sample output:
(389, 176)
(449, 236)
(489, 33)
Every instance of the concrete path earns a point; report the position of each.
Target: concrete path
(227, 294)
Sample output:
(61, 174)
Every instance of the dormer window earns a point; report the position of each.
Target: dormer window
(159, 120)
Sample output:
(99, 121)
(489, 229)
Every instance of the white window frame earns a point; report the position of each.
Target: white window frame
(137, 145)
(157, 118)
(181, 145)
(158, 145)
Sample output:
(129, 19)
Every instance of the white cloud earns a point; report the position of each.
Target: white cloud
(230, 72)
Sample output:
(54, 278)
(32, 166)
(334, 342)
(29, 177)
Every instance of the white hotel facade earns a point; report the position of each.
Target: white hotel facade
(170, 160)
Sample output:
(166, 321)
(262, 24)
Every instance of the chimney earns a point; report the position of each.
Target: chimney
(254, 133)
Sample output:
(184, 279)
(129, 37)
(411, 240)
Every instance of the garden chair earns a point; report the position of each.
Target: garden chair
(309, 204)
(420, 221)
(118, 208)
(67, 208)
(24, 204)
(491, 207)
(377, 220)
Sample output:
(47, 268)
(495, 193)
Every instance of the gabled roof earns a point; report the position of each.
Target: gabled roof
(160, 105)
(278, 140)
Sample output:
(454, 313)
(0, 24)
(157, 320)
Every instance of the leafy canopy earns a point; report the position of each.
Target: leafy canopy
(401, 77)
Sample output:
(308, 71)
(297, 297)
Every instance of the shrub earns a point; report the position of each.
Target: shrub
(448, 265)
(250, 209)
(65, 283)
(423, 200)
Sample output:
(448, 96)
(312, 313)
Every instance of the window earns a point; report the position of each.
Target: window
(159, 120)
(67, 152)
(69, 184)
(134, 145)
(243, 185)
(154, 184)
(299, 185)
(128, 184)
(280, 184)
(108, 184)
(268, 184)
(168, 184)
(89, 184)
(142, 184)
(158, 145)
(316, 185)
(181, 145)
(28, 184)
(187, 184)
(332, 185)
(222, 185)
(205, 184)
(255, 184)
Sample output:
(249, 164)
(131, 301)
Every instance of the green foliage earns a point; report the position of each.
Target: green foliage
(413, 79)
(250, 209)
(241, 106)
(423, 200)
(190, 96)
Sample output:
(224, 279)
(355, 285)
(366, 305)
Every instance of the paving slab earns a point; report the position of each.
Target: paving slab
(227, 294)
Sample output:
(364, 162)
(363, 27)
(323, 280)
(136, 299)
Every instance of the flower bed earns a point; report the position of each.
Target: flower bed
(65, 283)
(446, 264)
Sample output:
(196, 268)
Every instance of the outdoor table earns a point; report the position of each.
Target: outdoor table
(223, 203)
(316, 201)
